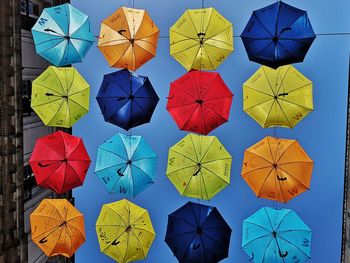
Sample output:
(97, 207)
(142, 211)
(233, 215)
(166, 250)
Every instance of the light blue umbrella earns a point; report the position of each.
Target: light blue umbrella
(62, 35)
(126, 164)
(276, 236)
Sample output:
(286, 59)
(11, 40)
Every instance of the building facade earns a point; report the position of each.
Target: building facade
(19, 129)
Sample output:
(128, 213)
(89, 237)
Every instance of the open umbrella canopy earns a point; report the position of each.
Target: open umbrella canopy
(279, 236)
(62, 35)
(277, 169)
(281, 97)
(201, 39)
(199, 166)
(124, 231)
(60, 96)
(127, 100)
(126, 164)
(57, 227)
(128, 38)
(59, 162)
(198, 233)
(277, 35)
(199, 101)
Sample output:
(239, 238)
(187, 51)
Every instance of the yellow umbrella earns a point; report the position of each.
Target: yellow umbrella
(124, 231)
(280, 97)
(199, 166)
(128, 38)
(201, 39)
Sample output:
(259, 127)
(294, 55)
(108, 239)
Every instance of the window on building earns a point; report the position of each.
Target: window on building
(26, 94)
(29, 182)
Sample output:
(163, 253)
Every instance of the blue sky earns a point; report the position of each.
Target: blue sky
(322, 133)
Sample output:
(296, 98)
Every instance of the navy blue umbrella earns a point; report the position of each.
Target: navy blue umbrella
(198, 234)
(277, 35)
(126, 100)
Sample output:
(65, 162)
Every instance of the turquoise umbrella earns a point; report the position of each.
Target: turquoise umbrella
(62, 35)
(278, 236)
(126, 164)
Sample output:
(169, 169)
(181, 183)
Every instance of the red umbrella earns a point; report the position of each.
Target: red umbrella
(59, 162)
(199, 101)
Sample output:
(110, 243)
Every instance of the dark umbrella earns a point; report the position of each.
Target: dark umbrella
(126, 100)
(278, 34)
(198, 234)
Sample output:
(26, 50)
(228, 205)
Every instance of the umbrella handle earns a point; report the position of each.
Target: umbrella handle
(252, 258)
(281, 178)
(43, 165)
(121, 31)
(201, 34)
(119, 172)
(197, 171)
(282, 255)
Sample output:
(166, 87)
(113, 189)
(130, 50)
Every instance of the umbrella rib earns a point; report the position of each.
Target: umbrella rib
(141, 245)
(260, 157)
(295, 162)
(210, 86)
(183, 220)
(54, 46)
(53, 249)
(180, 234)
(205, 188)
(58, 38)
(296, 104)
(183, 90)
(71, 243)
(266, 235)
(215, 174)
(266, 248)
(258, 19)
(281, 188)
(285, 240)
(270, 149)
(221, 48)
(151, 34)
(145, 158)
(259, 104)
(112, 80)
(70, 225)
(183, 155)
(211, 38)
(223, 159)
(268, 81)
(49, 102)
(49, 88)
(81, 24)
(75, 173)
(187, 37)
(118, 215)
(248, 222)
(284, 114)
(263, 184)
(246, 86)
(59, 80)
(189, 118)
(145, 48)
(301, 87)
(269, 112)
(123, 54)
(75, 148)
(144, 113)
(100, 147)
(183, 50)
(147, 175)
(181, 169)
(188, 183)
(194, 148)
(66, 49)
(284, 77)
(211, 109)
(256, 169)
(211, 63)
(209, 237)
(206, 151)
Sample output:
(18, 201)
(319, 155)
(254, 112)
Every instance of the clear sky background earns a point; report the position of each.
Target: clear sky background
(322, 133)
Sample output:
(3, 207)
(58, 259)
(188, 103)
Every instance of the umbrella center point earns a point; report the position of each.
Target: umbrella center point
(275, 39)
(199, 230)
(200, 102)
(128, 229)
(129, 162)
(67, 37)
(132, 41)
(274, 234)
(64, 160)
(274, 165)
(275, 97)
(131, 97)
(65, 97)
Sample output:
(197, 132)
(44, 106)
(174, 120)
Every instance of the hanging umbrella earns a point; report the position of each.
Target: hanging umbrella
(62, 35)
(199, 166)
(277, 35)
(199, 101)
(281, 97)
(201, 39)
(59, 162)
(126, 164)
(60, 96)
(272, 235)
(57, 227)
(124, 231)
(127, 100)
(198, 233)
(277, 169)
(128, 38)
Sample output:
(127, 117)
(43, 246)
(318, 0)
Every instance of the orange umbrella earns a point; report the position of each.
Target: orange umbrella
(57, 227)
(277, 169)
(128, 38)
